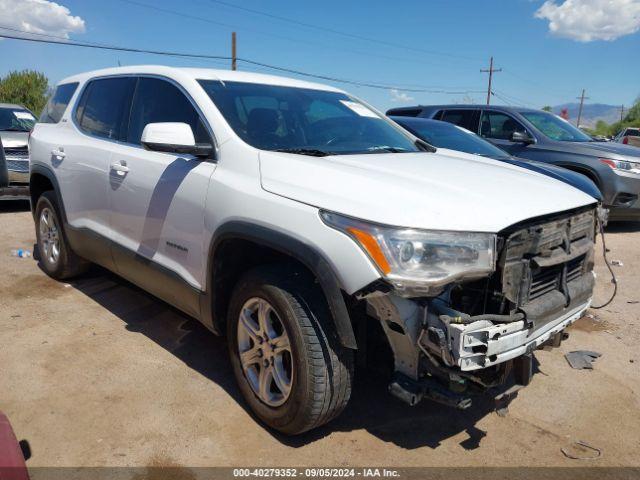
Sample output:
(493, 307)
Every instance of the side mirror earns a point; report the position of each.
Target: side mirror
(173, 137)
(521, 137)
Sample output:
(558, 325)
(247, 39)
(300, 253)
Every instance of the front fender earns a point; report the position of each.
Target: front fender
(305, 254)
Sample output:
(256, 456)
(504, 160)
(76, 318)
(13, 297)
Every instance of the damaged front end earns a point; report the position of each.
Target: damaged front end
(455, 340)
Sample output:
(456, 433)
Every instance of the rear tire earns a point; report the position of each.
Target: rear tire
(318, 371)
(57, 258)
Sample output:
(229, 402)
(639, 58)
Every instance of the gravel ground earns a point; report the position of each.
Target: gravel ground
(98, 373)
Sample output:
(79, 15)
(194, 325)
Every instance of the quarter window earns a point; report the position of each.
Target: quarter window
(499, 126)
(156, 101)
(104, 107)
(57, 104)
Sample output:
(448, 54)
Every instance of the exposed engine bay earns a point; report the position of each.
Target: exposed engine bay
(471, 335)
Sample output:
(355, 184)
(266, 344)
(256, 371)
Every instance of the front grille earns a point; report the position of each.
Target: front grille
(546, 257)
(17, 152)
(18, 165)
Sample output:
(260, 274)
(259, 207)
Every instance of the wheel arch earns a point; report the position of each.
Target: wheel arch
(41, 180)
(586, 171)
(238, 246)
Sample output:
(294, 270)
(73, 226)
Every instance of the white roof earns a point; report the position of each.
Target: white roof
(201, 74)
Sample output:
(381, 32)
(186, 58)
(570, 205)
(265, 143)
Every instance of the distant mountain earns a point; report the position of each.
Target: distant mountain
(591, 113)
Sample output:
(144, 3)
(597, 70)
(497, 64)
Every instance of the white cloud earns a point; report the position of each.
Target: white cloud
(398, 96)
(588, 20)
(39, 16)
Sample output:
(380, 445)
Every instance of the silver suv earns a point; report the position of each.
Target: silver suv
(15, 124)
(306, 226)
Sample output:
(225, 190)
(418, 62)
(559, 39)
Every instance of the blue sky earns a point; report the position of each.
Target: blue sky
(446, 43)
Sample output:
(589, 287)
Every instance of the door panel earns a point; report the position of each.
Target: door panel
(83, 152)
(157, 199)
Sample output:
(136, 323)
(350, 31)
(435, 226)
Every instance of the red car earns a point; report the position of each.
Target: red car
(12, 458)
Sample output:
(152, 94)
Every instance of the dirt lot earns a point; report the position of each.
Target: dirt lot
(97, 373)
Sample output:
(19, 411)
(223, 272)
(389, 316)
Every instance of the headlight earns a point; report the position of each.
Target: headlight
(427, 257)
(622, 165)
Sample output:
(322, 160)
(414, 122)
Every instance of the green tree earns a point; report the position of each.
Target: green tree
(27, 88)
(547, 108)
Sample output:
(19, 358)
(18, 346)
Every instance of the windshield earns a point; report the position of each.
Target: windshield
(306, 121)
(16, 119)
(447, 135)
(555, 127)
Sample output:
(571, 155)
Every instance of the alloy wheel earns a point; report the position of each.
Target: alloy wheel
(49, 236)
(265, 352)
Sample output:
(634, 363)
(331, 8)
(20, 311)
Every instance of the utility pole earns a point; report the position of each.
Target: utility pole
(621, 113)
(490, 72)
(234, 62)
(582, 98)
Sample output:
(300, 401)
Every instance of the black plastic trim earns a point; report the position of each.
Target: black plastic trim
(296, 249)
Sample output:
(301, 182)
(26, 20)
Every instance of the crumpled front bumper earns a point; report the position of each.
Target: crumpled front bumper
(483, 344)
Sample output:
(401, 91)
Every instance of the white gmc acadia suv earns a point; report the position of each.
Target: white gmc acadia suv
(307, 226)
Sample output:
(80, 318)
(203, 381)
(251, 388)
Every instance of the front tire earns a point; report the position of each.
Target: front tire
(56, 257)
(290, 366)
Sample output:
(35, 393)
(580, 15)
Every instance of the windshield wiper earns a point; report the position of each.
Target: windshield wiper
(313, 152)
(386, 148)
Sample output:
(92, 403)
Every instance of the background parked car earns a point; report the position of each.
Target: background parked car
(448, 136)
(15, 124)
(629, 136)
(544, 137)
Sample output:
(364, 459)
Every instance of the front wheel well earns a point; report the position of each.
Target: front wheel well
(231, 260)
(587, 173)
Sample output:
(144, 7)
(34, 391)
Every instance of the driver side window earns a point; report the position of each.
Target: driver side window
(499, 126)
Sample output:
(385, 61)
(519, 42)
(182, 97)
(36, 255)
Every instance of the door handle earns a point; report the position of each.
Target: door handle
(120, 168)
(58, 153)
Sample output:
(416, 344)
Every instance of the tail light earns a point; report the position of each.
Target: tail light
(625, 140)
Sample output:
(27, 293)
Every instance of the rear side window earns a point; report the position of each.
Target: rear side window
(463, 118)
(632, 133)
(157, 100)
(57, 104)
(104, 107)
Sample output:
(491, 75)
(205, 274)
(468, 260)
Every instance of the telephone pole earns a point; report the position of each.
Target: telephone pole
(490, 71)
(234, 62)
(582, 98)
(621, 113)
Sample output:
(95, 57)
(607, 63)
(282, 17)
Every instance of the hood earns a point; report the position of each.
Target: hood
(616, 151)
(574, 179)
(14, 139)
(445, 190)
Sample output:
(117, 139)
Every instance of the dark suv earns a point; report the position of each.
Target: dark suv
(545, 137)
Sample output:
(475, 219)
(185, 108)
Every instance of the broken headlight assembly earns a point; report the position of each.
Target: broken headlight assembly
(420, 261)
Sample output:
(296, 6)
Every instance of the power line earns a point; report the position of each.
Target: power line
(342, 33)
(290, 40)
(66, 42)
(514, 100)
